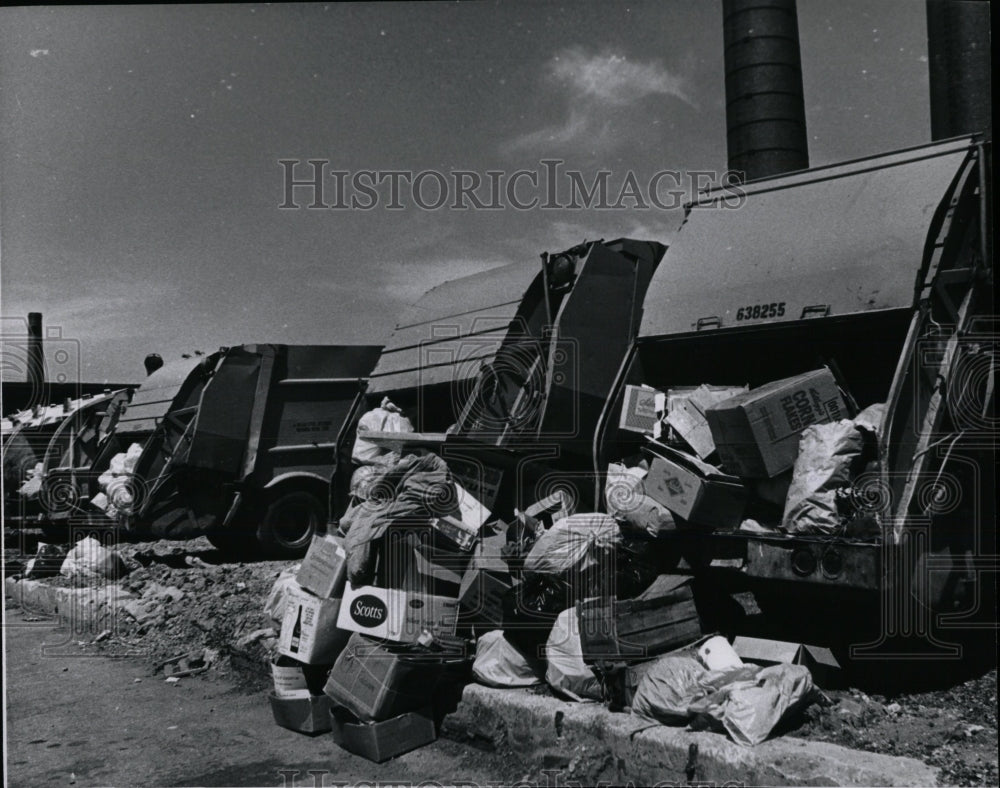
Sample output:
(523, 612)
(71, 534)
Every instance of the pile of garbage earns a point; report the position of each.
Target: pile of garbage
(117, 483)
(86, 563)
(422, 588)
(783, 458)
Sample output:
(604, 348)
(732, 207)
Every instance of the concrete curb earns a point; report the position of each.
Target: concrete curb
(87, 609)
(581, 742)
(586, 743)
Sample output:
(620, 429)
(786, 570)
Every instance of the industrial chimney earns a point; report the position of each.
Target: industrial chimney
(765, 108)
(36, 351)
(958, 54)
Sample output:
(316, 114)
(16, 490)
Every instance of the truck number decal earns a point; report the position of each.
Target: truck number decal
(761, 311)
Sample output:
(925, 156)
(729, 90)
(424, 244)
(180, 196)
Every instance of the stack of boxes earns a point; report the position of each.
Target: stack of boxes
(373, 661)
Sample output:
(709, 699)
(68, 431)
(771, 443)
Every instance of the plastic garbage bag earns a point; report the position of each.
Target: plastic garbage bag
(746, 702)
(46, 562)
(625, 495)
(569, 545)
(669, 687)
(90, 560)
(566, 672)
(827, 456)
(387, 417)
(499, 664)
(274, 605)
(415, 489)
(750, 710)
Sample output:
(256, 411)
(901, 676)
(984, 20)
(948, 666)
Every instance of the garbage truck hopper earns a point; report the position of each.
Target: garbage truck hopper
(879, 272)
(131, 423)
(527, 378)
(26, 449)
(247, 458)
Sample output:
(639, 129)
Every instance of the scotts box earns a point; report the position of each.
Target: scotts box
(757, 433)
(395, 614)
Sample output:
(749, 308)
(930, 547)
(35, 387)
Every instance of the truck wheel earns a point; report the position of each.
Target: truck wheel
(289, 524)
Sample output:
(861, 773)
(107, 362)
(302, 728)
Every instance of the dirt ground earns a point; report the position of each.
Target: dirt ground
(192, 599)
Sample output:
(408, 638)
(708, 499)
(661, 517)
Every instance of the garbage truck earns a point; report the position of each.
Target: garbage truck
(878, 273)
(68, 493)
(74, 445)
(36, 440)
(506, 372)
(245, 450)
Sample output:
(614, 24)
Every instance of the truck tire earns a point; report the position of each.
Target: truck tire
(290, 522)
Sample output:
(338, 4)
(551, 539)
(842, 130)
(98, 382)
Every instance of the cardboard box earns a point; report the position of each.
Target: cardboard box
(481, 597)
(396, 614)
(757, 433)
(633, 630)
(762, 651)
(686, 415)
(294, 679)
(310, 714)
(376, 681)
(638, 410)
(324, 569)
(471, 512)
(694, 490)
(309, 630)
(380, 741)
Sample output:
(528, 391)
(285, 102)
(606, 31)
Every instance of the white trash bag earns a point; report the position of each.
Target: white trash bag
(387, 417)
(90, 560)
(499, 664)
(566, 672)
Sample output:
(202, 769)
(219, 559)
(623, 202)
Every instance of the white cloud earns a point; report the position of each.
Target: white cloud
(592, 88)
(614, 79)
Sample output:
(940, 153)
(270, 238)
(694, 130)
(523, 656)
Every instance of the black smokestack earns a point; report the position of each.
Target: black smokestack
(152, 362)
(958, 54)
(765, 108)
(36, 351)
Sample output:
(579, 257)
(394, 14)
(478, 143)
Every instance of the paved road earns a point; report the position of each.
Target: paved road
(85, 720)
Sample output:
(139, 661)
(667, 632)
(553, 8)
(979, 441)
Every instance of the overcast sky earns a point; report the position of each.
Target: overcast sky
(139, 149)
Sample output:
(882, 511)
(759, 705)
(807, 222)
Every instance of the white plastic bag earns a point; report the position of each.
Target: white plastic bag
(747, 702)
(499, 664)
(567, 545)
(90, 560)
(627, 501)
(566, 672)
(387, 417)
(826, 453)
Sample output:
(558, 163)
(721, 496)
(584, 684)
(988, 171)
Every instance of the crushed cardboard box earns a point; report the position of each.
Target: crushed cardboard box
(821, 662)
(310, 714)
(380, 741)
(324, 569)
(376, 681)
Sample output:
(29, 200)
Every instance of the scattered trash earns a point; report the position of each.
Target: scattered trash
(89, 560)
